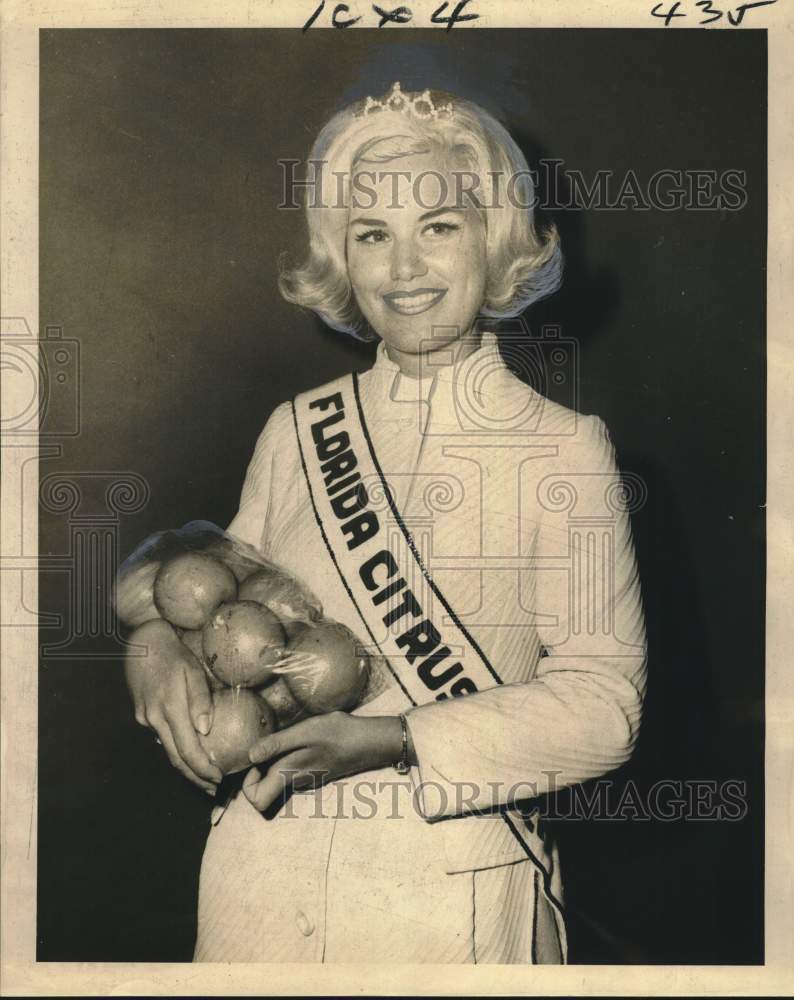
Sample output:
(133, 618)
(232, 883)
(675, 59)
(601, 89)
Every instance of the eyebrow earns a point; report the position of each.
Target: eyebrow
(422, 218)
(440, 211)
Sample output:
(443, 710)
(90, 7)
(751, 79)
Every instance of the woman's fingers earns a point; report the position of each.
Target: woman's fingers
(292, 738)
(265, 748)
(199, 700)
(188, 746)
(262, 791)
(163, 730)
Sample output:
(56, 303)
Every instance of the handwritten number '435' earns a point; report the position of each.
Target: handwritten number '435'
(735, 16)
(398, 15)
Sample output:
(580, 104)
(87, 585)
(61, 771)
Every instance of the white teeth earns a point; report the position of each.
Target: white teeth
(415, 300)
(410, 304)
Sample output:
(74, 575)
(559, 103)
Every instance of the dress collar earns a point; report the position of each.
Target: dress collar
(487, 352)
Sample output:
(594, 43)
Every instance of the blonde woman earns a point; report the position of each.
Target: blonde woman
(467, 530)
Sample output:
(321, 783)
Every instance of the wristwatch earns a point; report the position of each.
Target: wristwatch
(402, 766)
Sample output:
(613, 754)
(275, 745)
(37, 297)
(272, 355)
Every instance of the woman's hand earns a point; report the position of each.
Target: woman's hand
(319, 750)
(171, 696)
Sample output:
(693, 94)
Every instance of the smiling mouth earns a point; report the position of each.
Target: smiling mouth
(412, 303)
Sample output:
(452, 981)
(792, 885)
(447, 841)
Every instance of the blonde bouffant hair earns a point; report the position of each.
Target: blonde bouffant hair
(523, 265)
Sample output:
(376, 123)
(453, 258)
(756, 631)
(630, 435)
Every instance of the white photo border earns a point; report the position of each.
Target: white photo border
(21, 974)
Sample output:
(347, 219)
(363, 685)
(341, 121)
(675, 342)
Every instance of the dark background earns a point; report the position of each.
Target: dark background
(159, 241)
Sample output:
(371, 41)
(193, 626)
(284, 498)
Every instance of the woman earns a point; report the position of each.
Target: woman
(464, 527)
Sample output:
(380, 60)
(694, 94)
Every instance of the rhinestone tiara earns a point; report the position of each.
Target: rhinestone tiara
(420, 107)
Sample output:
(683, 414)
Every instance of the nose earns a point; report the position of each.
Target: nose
(407, 261)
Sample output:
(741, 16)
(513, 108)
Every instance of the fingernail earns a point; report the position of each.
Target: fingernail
(204, 724)
(210, 792)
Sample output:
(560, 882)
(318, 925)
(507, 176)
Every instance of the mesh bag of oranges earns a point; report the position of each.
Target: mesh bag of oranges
(269, 655)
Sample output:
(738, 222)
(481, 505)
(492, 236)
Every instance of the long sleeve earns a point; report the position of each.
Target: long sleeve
(579, 716)
(249, 522)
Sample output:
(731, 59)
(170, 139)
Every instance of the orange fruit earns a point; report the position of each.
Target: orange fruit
(325, 668)
(286, 709)
(242, 643)
(230, 553)
(283, 596)
(190, 586)
(193, 640)
(239, 719)
(135, 593)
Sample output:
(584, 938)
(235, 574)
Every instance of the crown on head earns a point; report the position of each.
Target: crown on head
(421, 106)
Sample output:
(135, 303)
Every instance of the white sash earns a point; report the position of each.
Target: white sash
(430, 659)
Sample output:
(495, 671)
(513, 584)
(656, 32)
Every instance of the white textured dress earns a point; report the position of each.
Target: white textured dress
(518, 511)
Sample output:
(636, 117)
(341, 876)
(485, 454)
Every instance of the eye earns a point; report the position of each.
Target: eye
(372, 236)
(441, 228)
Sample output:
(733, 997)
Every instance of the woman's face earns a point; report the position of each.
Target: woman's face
(418, 269)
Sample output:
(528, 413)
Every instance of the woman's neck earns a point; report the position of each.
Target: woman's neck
(426, 363)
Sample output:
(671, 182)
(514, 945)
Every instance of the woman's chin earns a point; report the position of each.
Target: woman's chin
(420, 334)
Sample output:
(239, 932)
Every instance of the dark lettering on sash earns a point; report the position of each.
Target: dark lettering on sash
(343, 484)
(461, 687)
(390, 591)
(361, 529)
(326, 401)
(330, 446)
(429, 677)
(341, 470)
(409, 605)
(420, 640)
(464, 686)
(350, 503)
(318, 428)
(338, 466)
(367, 571)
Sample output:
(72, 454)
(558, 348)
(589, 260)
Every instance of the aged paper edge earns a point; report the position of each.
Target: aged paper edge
(21, 975)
